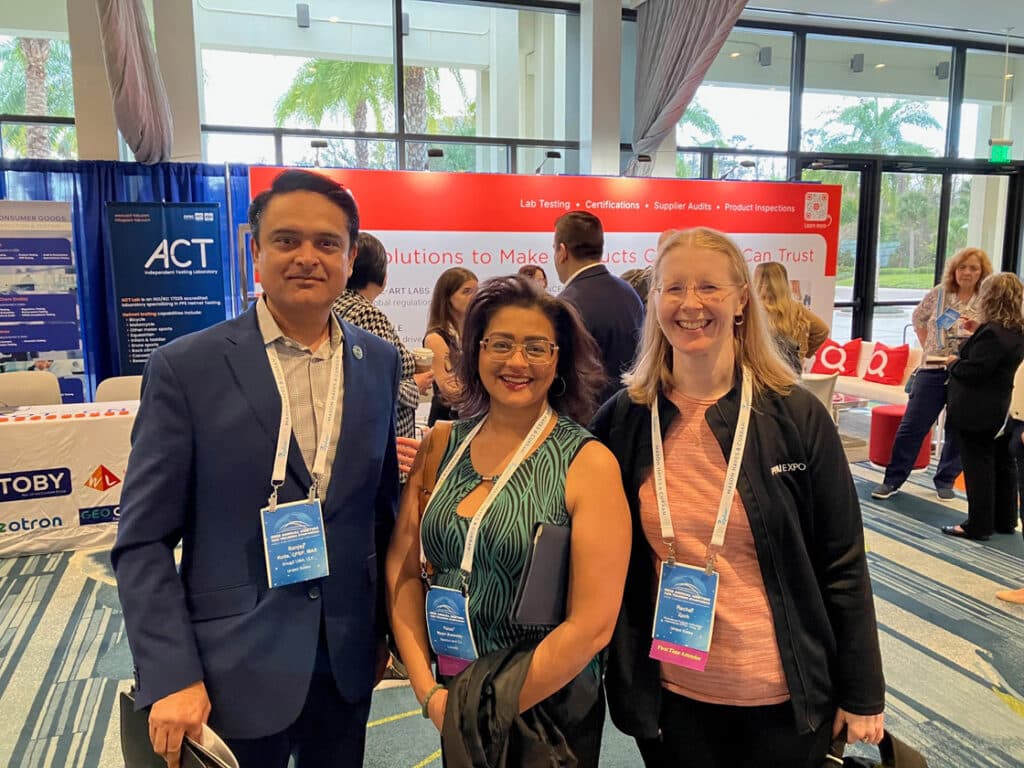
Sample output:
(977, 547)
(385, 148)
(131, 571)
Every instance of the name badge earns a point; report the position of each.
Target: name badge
(684, 616)
(294, 543)
(448, 627)
(947, 319)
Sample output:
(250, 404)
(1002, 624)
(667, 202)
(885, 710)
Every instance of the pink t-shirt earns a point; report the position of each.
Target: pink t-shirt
(744, 667)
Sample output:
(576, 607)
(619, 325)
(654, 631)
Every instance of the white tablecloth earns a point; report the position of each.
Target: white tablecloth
(61, 470)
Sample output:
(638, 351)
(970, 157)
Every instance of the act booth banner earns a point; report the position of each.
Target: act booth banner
(39, 316)
(168, 274)
(493, 224)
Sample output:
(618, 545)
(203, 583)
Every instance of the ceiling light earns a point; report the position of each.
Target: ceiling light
(735, 55)
(1008, 75)
(879, 66)
(333, 19)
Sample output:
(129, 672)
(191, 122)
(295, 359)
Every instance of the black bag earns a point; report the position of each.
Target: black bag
(540, 599)
(895, 754)
(137, 749)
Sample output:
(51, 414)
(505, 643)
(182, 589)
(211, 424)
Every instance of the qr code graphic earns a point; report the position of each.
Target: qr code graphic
(816, 206)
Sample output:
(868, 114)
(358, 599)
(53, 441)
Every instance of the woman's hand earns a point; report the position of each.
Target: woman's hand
(950, 359)
(424, 380)
(436, 708)
(408, 447)
(866, 728)
(969, 325)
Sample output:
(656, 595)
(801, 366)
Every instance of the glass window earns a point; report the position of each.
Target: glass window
(339, 153)
(977, 214)
(39, 142)
(257, 149)
(750, 167)
(482, 158)
(475, 70)
(688, 165)
(744, 98)
(261, 69)
(981, 116)
(848, 216)
(537, 160)
(874, 97)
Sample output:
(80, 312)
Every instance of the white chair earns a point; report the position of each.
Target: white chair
(29, 388)
(119, 388)
(822, 386)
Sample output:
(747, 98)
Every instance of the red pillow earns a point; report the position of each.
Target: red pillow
(837, 358)
(887, 364)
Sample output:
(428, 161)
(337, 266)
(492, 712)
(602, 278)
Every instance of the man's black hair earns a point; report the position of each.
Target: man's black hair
(305, 181)
(370, 265)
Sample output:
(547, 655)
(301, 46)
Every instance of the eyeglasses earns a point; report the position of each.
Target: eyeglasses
(537, 351)
(705, 293)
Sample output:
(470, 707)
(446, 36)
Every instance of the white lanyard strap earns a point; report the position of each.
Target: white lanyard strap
(284, 432)
(732, 475)
(529, 442)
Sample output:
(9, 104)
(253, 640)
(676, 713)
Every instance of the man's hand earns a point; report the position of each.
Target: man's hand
(172, 717)
(424, 380)
(407, 448)
(866, 728)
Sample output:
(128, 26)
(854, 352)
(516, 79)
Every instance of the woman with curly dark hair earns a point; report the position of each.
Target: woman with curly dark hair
(980, 383)
(530, 372)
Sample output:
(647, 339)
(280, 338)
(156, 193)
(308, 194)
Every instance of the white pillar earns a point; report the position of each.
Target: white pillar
(95, 128)
(178, 54)
(665, 157)
(600, 62)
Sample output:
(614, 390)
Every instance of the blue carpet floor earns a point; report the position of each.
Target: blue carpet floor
(954, 654)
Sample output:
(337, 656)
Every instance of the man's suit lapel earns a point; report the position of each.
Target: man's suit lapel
(358, 380)
(247, 359)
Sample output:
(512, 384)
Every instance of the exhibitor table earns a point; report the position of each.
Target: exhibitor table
(61, 468)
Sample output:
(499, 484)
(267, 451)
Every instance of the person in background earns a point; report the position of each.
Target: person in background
(640, 279)
(536, 274)
(942, 321)
(284, 667)
(453, 291)
(1015, 427)
(610, 308)
(980, 382)
(798, 331)
(529, 371)
(365, 284)
(793, 656)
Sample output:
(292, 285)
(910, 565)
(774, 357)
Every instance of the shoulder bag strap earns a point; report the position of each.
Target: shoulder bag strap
(440, 434)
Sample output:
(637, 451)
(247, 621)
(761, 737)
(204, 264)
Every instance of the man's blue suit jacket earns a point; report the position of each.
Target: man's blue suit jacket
(199, 472)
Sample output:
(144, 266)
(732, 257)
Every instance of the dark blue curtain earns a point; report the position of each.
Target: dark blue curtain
(88, 186)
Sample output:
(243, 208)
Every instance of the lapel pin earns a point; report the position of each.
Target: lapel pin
(357, 352)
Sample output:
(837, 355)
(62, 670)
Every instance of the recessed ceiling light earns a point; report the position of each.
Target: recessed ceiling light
(879, 66)
(735, 55)
(333, 19)
(1008, 75)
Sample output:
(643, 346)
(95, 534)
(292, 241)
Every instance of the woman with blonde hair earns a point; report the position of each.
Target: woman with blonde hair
(798, 331)
(943, 320)
(980, 383)
(779, 650)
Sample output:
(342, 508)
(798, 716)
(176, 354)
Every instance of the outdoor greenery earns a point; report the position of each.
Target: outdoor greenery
(35, 79)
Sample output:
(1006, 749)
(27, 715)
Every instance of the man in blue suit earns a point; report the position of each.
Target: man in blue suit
(283, 670)
(610, 308)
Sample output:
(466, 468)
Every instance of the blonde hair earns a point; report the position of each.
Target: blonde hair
(949, 276)
(785, 315)
(752, 343)
(1002, 301)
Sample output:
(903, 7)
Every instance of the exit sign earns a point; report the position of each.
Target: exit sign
(1000, 153)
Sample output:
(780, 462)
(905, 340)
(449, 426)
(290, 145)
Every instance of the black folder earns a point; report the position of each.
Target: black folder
(138, 751)
(543, 587)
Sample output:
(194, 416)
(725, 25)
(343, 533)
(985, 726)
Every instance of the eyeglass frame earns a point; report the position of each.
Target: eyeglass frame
(703, 300)
(521, 345)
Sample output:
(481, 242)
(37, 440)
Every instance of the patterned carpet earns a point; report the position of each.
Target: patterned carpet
(954, 654)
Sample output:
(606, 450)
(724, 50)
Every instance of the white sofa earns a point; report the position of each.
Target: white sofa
(855, 386)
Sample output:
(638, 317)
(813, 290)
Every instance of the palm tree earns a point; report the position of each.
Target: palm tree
(869, 128)
(35, 79)
(326, 88)
(700, 120)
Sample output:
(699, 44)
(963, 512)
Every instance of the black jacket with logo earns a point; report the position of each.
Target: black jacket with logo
(805, 519)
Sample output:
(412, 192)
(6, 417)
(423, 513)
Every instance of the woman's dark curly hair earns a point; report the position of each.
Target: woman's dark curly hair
(579, 360)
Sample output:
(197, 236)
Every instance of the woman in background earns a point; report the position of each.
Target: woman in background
(793, 658)
(453, 291)
(980, 383)
(536, 274)
(798, 331)
(943, 320)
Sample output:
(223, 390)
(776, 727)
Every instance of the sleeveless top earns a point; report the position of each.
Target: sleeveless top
(535, 494)
(439, 409)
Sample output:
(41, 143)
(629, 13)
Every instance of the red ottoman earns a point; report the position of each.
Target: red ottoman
(885, 420)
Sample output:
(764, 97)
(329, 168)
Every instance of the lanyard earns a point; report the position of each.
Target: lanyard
(732, 474)
(474, 526)
(284, 432)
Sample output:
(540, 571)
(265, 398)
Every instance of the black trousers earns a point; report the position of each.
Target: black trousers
(699, 735)
(328, 732)
(991, 482)
(1016, 430)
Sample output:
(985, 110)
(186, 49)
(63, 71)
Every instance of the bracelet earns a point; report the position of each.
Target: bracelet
(426, 701)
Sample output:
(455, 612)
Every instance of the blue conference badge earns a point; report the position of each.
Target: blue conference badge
(451, 635)
(684, 616)
(947, 319)
(294, 543)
